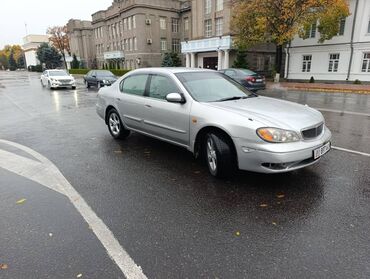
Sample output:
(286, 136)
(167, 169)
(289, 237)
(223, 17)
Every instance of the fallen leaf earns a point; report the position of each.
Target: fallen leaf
(274, 223)
(118, 151)
(79, 275)
(3, 266)
(21, 201)
(263, 205)
(50, 234)
(237, 233)
(280, 196)
(278, 202)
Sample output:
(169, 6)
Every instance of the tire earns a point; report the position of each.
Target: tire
(73, 87)
(42, 84)
(115, 126)
(87, 84)
(49, 85)
(219, 154)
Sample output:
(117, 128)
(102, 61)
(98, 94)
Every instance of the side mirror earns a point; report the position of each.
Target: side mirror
(94, 76)
(175, 98)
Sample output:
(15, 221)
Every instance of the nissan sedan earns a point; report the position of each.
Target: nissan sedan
(215, 118)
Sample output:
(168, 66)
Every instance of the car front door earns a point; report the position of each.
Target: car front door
(131, 100)
(162, 118)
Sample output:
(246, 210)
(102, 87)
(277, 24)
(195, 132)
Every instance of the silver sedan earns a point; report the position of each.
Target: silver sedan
(215, 118)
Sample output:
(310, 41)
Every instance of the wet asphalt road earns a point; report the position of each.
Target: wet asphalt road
(172, 218)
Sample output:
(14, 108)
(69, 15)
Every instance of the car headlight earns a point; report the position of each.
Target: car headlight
(53, 80)
(277, 135)
(105, 81)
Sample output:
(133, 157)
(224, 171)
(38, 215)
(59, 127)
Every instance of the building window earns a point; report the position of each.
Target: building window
(176, 45)
(260, 63)
(368, 27)
(129, 44)
(129, 23)
(342, 25)
(175, 25)
(126, 44)
(122, 46)
(207, 6)
(306, 65)
(366, 62)
(311, 32)
(162, 23)
(121, 28)
(219, 26)
(134, 22)
(125, 24)
(186, 24)
(163, 45)
(208, 28)
(135, 43)
(219, 5)
(333, 62)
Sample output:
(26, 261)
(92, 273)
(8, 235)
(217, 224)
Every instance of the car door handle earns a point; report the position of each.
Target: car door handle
(148, 106)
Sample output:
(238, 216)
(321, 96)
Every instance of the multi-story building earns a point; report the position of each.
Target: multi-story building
(81, 41)
(135, 33)
(30, 45)
(344, 57)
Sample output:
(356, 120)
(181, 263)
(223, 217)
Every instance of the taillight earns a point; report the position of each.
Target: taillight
(251, 79)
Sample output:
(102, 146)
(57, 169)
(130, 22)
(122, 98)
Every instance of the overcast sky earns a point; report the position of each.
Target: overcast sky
(40, 14)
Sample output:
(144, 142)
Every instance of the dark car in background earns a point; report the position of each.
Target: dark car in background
(247, 78)
(99, 78)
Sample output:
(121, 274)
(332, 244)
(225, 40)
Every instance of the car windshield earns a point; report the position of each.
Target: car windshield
(104, 74)
(58, 74)
(212, 87)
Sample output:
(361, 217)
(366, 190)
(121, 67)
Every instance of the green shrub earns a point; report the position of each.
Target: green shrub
(312, 80)
(357, 81)
(79, 71)
(37, 68)
(119, 72)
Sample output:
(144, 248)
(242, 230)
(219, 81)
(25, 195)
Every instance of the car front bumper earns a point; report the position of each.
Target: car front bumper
(62, 85)
(278, 157)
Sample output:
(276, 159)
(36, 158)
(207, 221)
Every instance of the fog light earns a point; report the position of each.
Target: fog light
(247, 149)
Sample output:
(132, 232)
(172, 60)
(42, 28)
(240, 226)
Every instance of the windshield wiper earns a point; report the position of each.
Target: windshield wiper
(232, 98)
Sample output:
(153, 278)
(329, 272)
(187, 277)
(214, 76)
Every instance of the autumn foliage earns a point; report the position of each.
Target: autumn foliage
(278, 21)
(59, 39)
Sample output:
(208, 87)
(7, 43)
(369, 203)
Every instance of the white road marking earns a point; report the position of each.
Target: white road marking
(351, 151)
(344, 111)
(47, 174)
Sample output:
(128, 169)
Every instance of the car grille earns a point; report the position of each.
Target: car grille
(313, 132)
(65, 80)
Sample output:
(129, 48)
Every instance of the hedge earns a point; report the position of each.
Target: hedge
(116, 72)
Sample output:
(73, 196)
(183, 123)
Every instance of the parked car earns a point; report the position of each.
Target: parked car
(247, 78)
(212, 115)
(57, 78)
(99, 78)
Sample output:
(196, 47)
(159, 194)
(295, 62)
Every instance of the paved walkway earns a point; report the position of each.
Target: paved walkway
(322, 87)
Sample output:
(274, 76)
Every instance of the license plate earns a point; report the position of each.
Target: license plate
(259, 80)
(317, 153)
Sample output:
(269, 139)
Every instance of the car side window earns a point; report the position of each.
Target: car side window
(161, 86)
(134, 85)
(230, 73)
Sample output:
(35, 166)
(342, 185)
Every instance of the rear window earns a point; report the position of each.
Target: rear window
(247, 72)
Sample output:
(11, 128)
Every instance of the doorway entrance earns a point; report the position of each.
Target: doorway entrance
(210, 63)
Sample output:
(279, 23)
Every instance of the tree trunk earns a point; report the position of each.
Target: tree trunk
(279, 59)
(64, 59)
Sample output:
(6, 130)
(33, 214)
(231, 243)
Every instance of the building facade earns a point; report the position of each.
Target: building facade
(30, 45)
(81, 40)
(344, 57)
(132, 34)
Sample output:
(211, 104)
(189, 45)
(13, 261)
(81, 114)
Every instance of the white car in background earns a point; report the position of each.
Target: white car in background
(57, 78)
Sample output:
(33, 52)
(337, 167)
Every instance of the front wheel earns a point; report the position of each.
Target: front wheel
(219, 154)
(115, 126)
(87, 84)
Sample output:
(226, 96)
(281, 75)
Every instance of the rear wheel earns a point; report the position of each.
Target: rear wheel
(115, 126)
(219, 154)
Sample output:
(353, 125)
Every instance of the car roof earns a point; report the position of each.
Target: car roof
(173, 70)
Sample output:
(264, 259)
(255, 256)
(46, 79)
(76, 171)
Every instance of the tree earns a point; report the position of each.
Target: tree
(75, 63)
(49, 55)
(12, 62)
(59, 39)
(171, 59)
(5, 55)
(20, 62)
(241, 59)
(278, 21)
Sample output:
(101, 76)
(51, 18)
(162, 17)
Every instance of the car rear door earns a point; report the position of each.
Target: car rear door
(164, 119)
(131, 100)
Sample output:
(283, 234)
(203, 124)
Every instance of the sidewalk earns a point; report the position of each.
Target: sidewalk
(322, 87)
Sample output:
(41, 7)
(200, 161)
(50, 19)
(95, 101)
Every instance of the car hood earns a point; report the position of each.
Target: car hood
(273, 112)
(62, 77)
